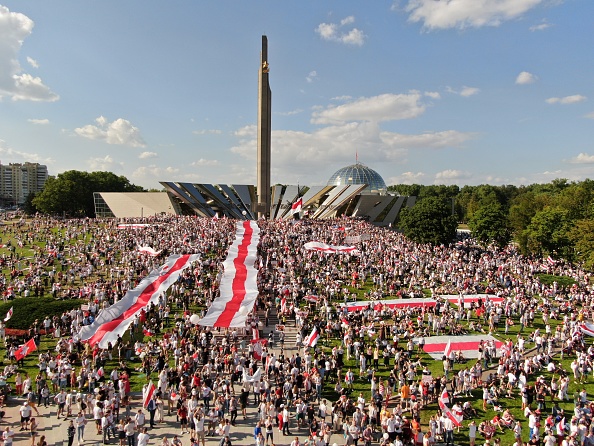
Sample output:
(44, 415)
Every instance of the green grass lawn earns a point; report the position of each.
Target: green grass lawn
(360, 385)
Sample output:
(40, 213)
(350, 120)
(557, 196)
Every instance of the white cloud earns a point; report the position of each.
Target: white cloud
(525, 78)
(207, 132)
(465, 91)
(311, 76)
(153, 171)
(290, 113)
(311, 153)
(429, 140)
(432, 94)
(107, 163)
(14, 83)
(120, 132)
(343, 98)
(332, 32)
(573, 99)
(38, 121)
(147, 155)
(385, 107)
(407, 178)
(451, 176)
(469, 91)
(461, 14)
(9, 155)
(540, 27)
(32, 62)
(347, 20)
(205, 162)
(582, 158)
(589, 115)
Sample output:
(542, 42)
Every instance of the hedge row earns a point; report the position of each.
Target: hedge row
(27, 309)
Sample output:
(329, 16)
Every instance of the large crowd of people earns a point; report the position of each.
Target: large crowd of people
(208, 379)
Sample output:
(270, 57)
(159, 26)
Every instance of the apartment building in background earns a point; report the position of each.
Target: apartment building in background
(17, 180)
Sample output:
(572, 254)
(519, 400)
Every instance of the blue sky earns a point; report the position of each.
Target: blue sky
(460, 92)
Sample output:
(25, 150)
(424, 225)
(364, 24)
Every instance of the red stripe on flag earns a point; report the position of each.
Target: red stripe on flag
(238, 284)
(440, 347)
(141, 302)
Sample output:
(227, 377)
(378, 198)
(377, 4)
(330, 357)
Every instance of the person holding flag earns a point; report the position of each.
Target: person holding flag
(24, 350)
(312, 339)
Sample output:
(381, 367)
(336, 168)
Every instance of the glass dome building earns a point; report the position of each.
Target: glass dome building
(359, 174)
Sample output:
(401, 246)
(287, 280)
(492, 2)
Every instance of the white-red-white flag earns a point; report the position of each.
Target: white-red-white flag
(312, 339)
(311, 298)
(8, 315)
(259, 347)
(239, 285)
(551, 261)
(296, 207)
(148, 250)
(445, 396)
(456, 419)
(116, 319)
(147, 393)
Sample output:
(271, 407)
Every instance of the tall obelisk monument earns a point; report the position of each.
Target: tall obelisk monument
(264, 131)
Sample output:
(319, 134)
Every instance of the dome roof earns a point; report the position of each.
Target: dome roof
(359, 174)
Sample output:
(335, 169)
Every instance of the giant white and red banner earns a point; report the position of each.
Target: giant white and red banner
(331, 249)
(438, 346)
(453, 299)
(239, 287)
(116, 319)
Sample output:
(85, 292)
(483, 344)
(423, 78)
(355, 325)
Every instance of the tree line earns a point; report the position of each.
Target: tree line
(554, 219)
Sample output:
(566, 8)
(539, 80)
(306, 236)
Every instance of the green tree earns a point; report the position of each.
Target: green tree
(430, 220)
(71, 192)
(28, 207)
(582, 237)
(489, 225)
(548, 233)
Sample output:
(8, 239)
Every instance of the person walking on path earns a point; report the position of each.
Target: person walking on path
(152, 408)
(143, 437)
(70, 432)
(80, 422)
(33, 430)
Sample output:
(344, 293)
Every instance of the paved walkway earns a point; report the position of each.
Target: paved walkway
(56, 435)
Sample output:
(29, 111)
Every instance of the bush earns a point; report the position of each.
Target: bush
(27, 309)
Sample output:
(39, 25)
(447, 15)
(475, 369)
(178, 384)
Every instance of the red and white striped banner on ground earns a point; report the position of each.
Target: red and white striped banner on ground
(133, 225)
(323, 247)
(436, 346)
(116, 319)
(239, 288)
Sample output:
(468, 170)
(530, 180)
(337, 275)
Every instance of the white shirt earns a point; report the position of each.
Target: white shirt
(143, 439)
